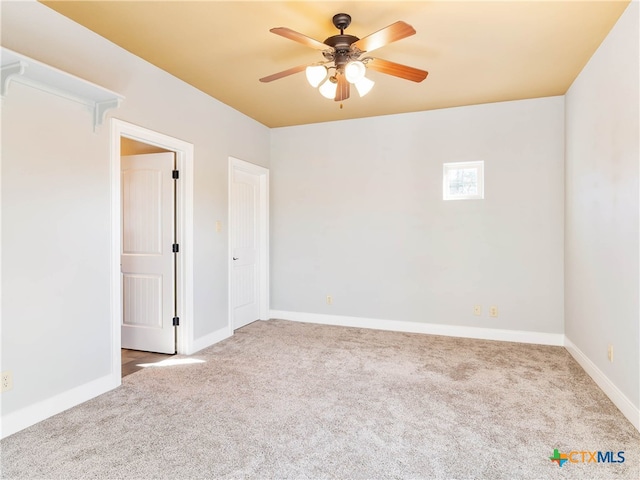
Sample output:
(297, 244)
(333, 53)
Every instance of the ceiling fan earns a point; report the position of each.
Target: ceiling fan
(344, 64)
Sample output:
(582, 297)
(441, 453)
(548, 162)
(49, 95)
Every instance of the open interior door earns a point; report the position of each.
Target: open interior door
(147, 257)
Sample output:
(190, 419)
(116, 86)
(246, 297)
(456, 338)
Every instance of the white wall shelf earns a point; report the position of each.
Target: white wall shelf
(22, 69)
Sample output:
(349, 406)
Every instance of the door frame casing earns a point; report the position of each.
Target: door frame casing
(263, 236)
(184, 152)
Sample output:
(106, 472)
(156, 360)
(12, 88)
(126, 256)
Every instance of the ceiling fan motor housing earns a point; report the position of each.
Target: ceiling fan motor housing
(342, 52)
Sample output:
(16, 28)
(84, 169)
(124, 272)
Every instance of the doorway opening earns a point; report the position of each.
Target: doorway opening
(132, 139)
(148, 260)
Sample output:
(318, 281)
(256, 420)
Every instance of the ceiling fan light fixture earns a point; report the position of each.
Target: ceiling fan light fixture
(342, 67)
(364, 86)
(355, 71)
(316, 74)
(328, 89)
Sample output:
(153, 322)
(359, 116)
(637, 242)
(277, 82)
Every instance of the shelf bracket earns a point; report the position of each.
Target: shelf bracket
(8, 72)
(100, 110)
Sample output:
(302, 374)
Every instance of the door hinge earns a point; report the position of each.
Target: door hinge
(175, 248)
(176, 321)
(175, 174)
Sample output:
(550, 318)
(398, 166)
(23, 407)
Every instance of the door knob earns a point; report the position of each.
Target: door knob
(235, 258)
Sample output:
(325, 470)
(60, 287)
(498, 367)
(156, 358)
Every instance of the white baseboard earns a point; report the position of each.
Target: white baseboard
(27, 416)
(210, 339)
(556, 339)
(618, 398)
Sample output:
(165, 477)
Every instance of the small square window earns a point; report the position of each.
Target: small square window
(463, 181)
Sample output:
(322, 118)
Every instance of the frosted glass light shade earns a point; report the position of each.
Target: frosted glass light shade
(316, 74)
(328, 89)
(364, 86)
(354, 71)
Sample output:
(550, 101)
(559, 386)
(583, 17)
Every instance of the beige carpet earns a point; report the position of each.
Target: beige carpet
(289, 400)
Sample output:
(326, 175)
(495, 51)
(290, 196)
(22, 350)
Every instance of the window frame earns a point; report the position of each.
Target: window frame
(447, 167)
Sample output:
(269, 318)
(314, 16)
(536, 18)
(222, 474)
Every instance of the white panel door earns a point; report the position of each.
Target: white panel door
(245, 225)
(147, 258)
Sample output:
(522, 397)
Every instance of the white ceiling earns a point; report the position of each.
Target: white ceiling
(475, 51)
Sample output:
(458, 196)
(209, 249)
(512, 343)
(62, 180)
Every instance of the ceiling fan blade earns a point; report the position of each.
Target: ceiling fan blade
(342, 92)
(284, 73)
(397, 70)
(395, 31)
(300, 38)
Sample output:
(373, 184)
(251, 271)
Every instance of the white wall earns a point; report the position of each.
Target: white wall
(56, 202)
(357, 213)
(602, 208)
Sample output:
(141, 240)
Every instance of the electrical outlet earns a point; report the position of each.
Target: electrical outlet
(477, 309)
(610, 353)
(493, 311)
(329, 300)
(6, 383)
(218, 226)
